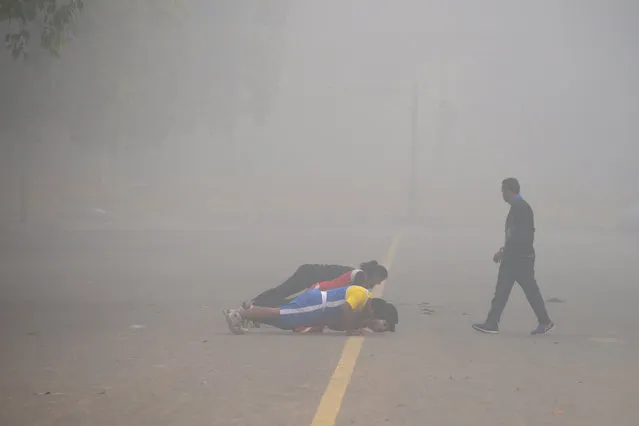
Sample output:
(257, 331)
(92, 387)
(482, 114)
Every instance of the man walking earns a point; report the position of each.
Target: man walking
(517, 263)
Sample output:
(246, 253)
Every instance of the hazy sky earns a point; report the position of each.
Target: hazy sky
(527, 82)
(546, 91)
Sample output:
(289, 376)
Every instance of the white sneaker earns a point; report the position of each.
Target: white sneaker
(234, 321)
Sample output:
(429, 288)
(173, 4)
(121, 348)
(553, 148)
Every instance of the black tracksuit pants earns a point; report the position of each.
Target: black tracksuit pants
(302, 279)
(522, 271)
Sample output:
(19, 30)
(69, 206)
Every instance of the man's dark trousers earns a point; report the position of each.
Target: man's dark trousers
(522, 271)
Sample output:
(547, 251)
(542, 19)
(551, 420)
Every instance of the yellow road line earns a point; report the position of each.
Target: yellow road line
(331, 401)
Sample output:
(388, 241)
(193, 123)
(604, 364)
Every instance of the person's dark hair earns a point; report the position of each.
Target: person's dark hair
(511, 184)
(374, 268)
(377, 305)
(385, 311)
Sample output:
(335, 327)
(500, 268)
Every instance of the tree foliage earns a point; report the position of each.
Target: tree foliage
(53, 19)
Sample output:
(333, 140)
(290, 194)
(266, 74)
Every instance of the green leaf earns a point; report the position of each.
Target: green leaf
(58, 23)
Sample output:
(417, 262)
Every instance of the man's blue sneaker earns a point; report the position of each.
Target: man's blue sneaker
(486, 328)
(543, 329)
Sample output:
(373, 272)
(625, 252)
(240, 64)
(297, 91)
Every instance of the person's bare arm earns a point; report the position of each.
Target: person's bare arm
(348, 317)
(353, 322)
(361, 322)
(362, 319)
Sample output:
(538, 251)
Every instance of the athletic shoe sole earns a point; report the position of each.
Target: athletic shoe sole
(484, 330)
(552, 327)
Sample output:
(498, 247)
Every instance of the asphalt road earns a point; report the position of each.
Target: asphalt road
(124, 328)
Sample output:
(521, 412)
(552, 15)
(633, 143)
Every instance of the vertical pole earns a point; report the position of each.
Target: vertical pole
(412, 189)
(24, 177)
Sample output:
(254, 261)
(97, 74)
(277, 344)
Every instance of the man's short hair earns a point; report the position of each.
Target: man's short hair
(385, 311)
(511, 184)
